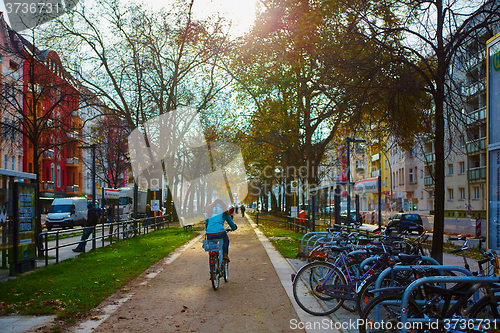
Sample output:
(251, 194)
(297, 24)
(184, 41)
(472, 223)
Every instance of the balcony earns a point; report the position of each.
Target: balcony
(72, 189)
(48, 154)
(476, 60)
(73, 135)
(72, 161)
(477, 174)
(476, 145)
(473, 89)
(428, 181)
(476, 116)
(47, 186)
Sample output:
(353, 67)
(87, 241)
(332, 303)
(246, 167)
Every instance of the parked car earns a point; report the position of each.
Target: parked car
(406, 222)
(354, 218)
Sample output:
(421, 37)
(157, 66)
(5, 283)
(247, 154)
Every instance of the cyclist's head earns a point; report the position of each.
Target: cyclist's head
(218, 207)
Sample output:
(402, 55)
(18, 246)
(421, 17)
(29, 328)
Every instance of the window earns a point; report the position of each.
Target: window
(52, 173)
(462, 193)
(30, 167)
(450, 169)
(386, 183)
(58, 176)
(475, 192)
(421, 194)
(13, 163)
(411, 176)
(5, 161)
(450, 194)
(462, 168)
(1, 57)
(6, 128)
(386, 164)
(461, 141)
(6, 90)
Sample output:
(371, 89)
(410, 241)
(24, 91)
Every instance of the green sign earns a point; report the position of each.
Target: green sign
(496, 61)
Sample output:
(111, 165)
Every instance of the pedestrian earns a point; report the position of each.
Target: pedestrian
(148, 214)
(91, 222)
(231, 212)
(217, 214)
(242, 210)
(111, 219)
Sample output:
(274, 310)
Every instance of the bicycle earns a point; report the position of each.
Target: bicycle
(449, 307)
(321, 287)
(218, 267)
(124, 230)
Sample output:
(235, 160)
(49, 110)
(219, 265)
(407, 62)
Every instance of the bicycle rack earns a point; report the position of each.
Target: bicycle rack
(435, 279)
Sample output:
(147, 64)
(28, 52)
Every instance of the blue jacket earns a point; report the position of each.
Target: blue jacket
(215, 224)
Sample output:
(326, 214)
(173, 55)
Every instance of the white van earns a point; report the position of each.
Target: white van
(66, 212)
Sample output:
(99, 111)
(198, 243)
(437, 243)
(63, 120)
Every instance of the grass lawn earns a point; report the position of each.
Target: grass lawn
(76, 285)
(285, 240)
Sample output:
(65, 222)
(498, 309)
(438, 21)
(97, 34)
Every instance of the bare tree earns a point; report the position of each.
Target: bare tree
(39, 103)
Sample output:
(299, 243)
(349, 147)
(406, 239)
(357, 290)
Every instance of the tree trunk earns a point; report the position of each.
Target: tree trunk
(439, 178)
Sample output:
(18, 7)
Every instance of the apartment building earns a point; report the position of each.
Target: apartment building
(11, 148)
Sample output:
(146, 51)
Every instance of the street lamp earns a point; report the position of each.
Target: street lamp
(349, 140)
(92, 146)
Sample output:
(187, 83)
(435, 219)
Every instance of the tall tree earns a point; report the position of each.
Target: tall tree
(312, 77)
(435, 32)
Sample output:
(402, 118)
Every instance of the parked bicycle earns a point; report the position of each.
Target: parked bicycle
(449, 303)
(124, 230)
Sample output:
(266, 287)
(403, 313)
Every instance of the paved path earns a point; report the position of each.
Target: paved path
(175, 295)
(179, 297)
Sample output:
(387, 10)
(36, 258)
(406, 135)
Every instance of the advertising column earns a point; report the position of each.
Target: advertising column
(493, 146)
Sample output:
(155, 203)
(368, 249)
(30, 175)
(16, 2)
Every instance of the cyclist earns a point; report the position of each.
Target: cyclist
(217, 214)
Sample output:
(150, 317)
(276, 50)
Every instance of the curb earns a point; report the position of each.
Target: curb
(284, 270)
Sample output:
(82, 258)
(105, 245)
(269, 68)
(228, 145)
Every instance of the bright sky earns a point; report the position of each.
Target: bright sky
(240, 12)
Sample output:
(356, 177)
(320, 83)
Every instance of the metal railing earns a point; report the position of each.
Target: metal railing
(136, 227)
(296, 224)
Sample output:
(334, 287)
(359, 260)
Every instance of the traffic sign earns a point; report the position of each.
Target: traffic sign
(155, 184)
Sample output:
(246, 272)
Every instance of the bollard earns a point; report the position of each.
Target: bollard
(478, 226)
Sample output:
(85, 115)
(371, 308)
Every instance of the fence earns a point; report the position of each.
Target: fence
(125, 229)
(295, 224)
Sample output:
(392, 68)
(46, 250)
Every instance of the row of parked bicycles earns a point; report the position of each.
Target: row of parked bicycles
(393, 286)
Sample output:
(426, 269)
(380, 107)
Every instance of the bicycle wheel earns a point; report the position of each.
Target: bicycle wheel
(490, 313)
(125, 231)
(365, 294)
(313, 288)
(383, 314)
(214, 271)
(225, 269)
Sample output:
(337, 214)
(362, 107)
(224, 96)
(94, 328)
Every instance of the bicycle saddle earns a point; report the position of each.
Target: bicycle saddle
(409, 258)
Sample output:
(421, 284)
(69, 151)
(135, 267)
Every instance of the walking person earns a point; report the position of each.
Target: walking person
(242, 210)
(217, 214)
(92, 220)
(111, 219)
